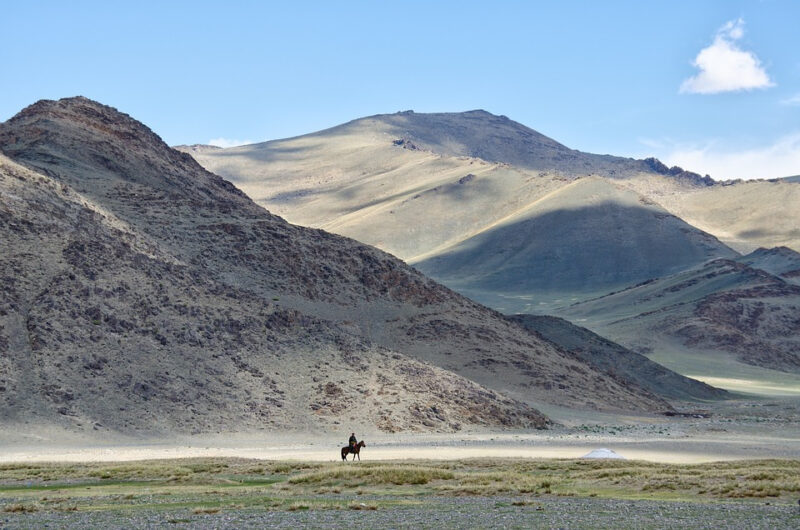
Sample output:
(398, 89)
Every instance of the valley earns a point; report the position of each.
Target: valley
(244, 285)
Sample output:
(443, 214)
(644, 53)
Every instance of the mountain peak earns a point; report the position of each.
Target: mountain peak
(90, 143)
(774, 251)
(90, 114)
(496, 138)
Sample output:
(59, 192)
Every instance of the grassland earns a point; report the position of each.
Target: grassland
(213, 485)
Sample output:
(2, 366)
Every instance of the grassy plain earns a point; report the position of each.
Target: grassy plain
(213, 485)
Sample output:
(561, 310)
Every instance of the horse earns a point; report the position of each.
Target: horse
(356, 450)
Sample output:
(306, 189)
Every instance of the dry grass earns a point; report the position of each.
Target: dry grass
(202, 510)
(20, 508)
(209, 485)
(363, 506)
(374, 475)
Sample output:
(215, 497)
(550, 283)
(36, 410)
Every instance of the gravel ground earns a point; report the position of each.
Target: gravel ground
(471, 512)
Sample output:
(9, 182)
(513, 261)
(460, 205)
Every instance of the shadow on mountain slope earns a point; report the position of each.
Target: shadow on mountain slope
(595, 248)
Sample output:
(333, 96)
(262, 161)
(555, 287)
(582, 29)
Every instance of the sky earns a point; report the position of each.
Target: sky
(712, 85)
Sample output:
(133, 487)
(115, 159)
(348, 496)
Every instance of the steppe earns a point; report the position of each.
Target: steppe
(732, 465)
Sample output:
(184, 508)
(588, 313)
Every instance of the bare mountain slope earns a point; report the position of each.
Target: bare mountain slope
(374, 171)
(432, 188)
(723, 306)
(480, 134)
(510, 217)
(232, 293)
(588, 237)
(780, 261)
(617, 359)
(743, 214)
(102, 330)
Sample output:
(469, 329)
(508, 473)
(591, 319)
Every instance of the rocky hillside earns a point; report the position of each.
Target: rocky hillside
(523, 224)
(479, 202)
(143, 293)
(723, 306)
(780, 261)
(103, 330)
(611, 357)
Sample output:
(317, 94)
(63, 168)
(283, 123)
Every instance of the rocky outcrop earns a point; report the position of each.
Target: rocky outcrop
(656, 166)
(723, 306)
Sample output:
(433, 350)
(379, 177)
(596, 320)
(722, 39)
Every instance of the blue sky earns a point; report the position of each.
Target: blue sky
(711, 85)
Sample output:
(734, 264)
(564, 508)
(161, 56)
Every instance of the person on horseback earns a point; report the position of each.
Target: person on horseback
(353, 441)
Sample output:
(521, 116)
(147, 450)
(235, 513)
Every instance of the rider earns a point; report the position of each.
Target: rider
(353, 441)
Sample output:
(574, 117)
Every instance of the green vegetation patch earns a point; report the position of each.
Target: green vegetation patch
(374, 475)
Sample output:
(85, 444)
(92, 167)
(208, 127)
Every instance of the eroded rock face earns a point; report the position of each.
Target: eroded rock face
(101, 330)
(722, 306)
(143, 293)
(760, 324)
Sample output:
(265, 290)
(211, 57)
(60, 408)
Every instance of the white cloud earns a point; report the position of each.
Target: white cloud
(228, 142)
(724, 67)
(779, 159)
(794, 100)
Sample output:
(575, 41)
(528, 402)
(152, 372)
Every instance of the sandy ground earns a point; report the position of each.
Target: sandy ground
(741, 429)
(694, 451)
(674, 444)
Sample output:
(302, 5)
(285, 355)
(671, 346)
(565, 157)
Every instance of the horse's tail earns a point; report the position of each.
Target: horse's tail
(345, 450)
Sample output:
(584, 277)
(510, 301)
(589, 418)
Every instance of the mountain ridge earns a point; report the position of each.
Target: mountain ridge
(521, 239)
(234, 289)
(276, 175)
(724, 305)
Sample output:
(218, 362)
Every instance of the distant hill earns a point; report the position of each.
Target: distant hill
(444, 191)
(781, 261)
(367, 178)
(615, 358)
(514, 219)
(744, 215)
(722, 306)
(141, 293)
(587, 237)
(480, 134)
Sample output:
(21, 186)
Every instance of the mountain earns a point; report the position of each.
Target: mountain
(480, 134)
(743, 214)
(723, 306)
(444, 191)
(780, 261)
(142, 293)
(520, 222)
(101, 329)
(480, 168)
(611, 357)
(584, 239)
